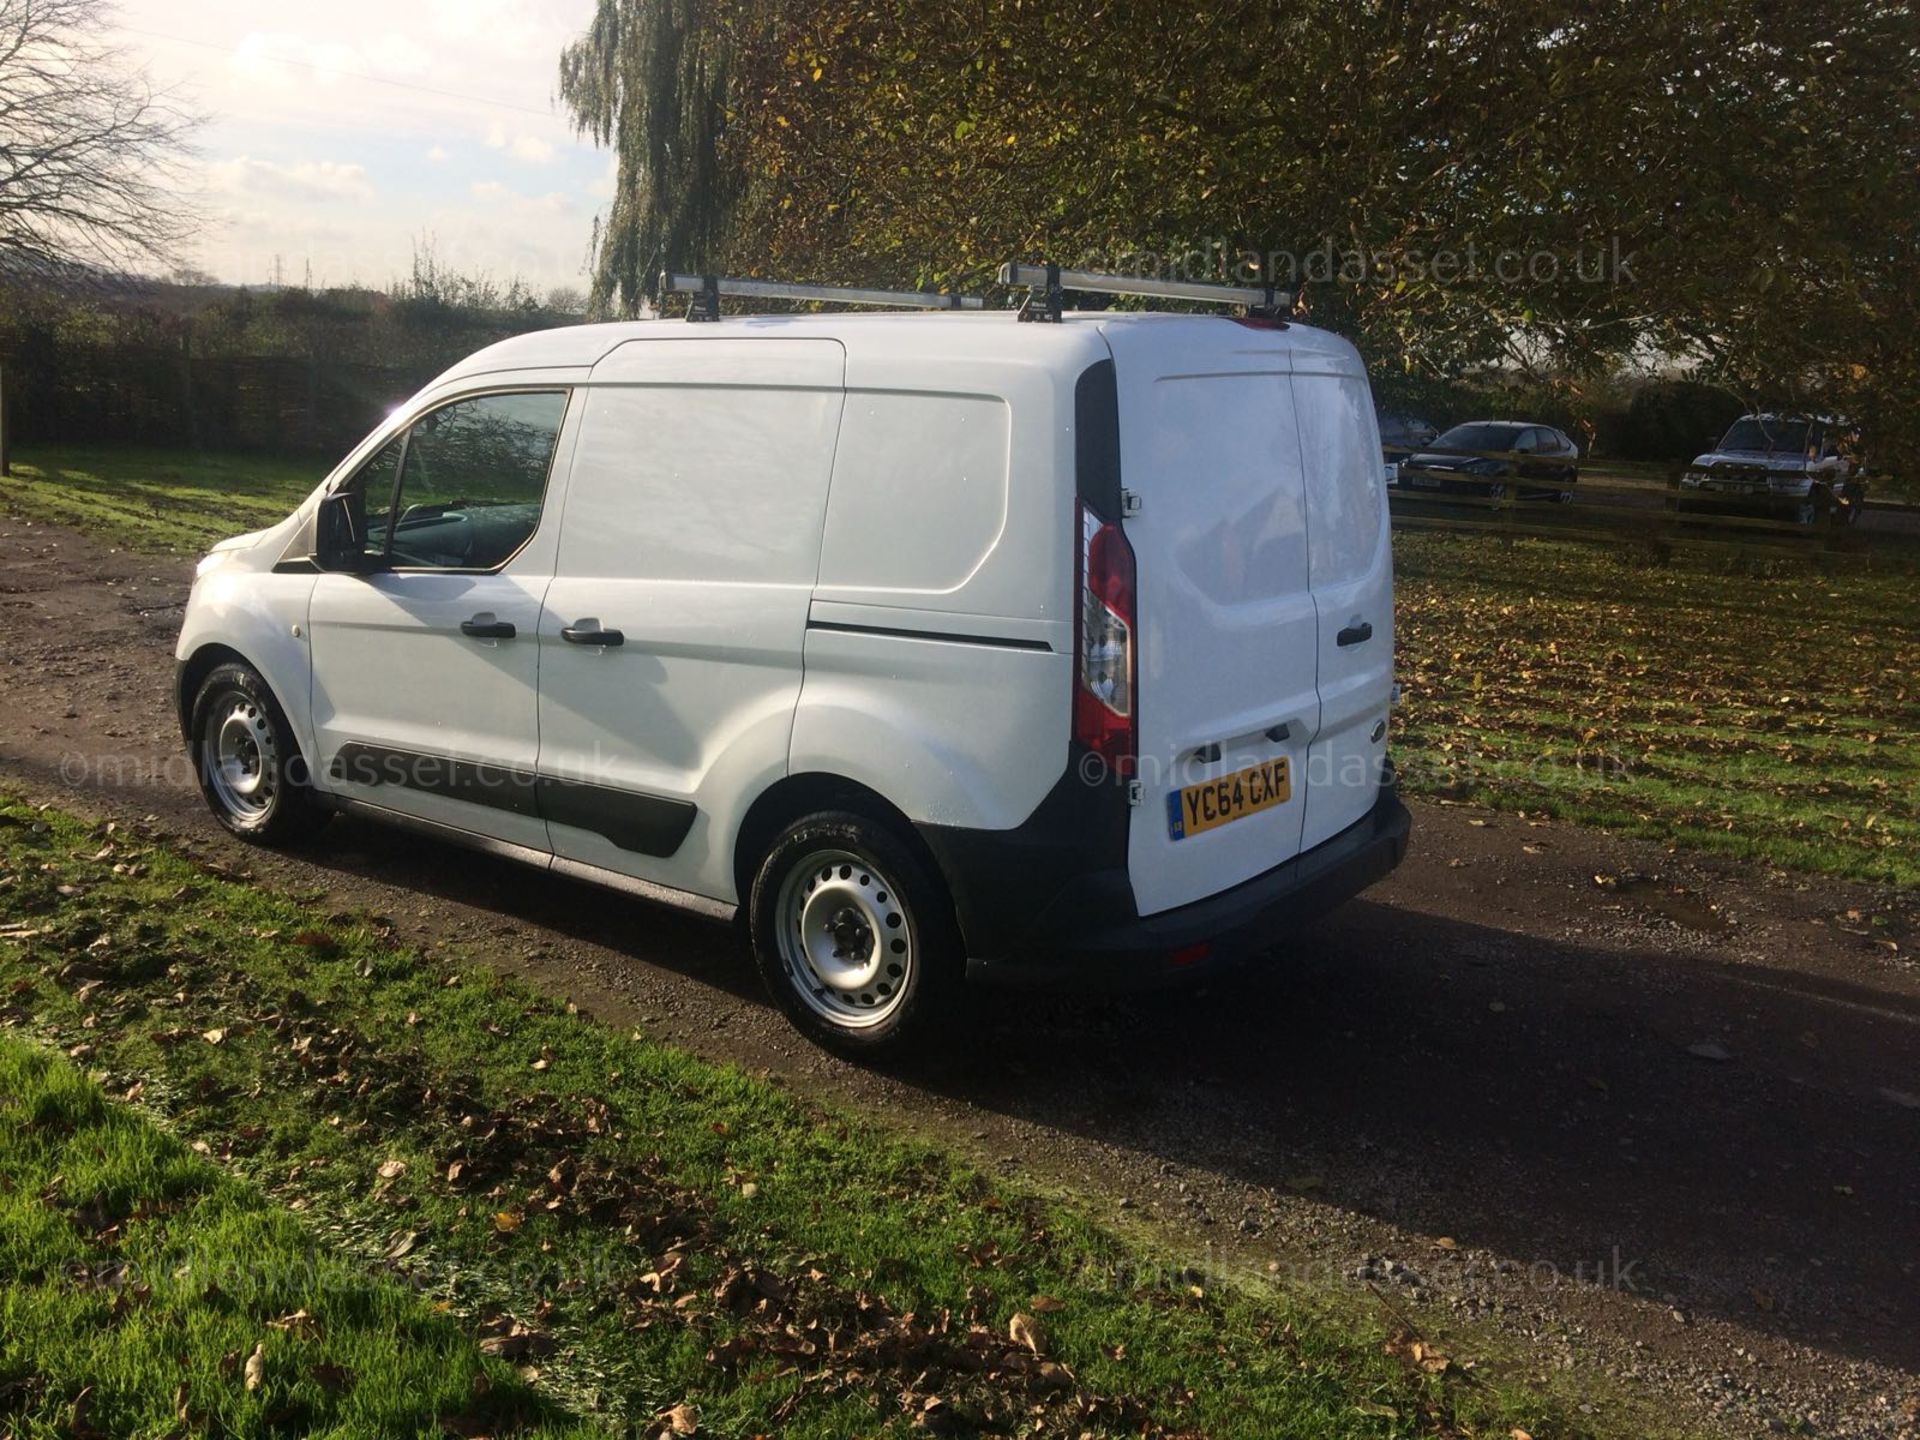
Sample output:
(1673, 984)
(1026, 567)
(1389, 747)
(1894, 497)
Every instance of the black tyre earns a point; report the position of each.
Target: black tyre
(854, 934)
(248, 763)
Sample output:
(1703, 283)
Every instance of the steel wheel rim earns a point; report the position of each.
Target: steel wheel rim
(242, 759)
(845, 938)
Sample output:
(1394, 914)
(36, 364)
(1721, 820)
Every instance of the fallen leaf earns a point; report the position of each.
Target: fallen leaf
(1047, 1305)
(392, 1170)
(299, 1323)
(213, 1037)
(80, 1423)
(331, 1378)
(1023, 1329)
(682, 1419)
(255, 1373)
(508, 1221)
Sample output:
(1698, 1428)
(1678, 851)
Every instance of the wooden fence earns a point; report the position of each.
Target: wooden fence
(1612, 508)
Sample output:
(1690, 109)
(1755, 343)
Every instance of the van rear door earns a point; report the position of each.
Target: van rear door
(1350, 561)
(1228, 628)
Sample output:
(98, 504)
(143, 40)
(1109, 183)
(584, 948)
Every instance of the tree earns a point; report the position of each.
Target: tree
(1547, 186)
(90, 153)
(650, 78)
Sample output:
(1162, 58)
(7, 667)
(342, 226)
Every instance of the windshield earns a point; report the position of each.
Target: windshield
(1478, 437)
(1766, 436)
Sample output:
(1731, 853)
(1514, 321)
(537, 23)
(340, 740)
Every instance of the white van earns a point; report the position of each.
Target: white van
(947, 645)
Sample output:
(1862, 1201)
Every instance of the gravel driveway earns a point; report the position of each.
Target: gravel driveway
(1580, 1104)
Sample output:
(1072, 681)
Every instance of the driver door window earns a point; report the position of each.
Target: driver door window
(462, 488)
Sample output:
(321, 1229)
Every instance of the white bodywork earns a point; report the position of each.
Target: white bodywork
(846, 546)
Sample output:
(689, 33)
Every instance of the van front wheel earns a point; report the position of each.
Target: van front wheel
(853, 935)
(248, 762)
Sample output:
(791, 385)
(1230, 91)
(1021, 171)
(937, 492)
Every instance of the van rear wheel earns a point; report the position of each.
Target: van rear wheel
(853, 935)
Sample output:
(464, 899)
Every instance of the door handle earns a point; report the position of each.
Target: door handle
(1355, 634)
(588, 632)
(486, 628)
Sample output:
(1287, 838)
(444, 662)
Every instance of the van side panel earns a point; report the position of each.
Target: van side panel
(939, 654)
(692, 526)
(919, 497)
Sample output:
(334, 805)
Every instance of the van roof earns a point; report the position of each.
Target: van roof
(583, 346)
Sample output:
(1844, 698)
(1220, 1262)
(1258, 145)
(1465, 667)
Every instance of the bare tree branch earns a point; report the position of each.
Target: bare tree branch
(91, 155)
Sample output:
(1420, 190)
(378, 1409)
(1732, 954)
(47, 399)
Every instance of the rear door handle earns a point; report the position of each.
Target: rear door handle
(588, 632)
(1355, 634)
(485, 627)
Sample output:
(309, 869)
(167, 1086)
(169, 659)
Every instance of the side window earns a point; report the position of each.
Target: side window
(472, 481)
(370, 497)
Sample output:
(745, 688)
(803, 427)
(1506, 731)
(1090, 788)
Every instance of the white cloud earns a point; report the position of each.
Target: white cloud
(304, 180)
(492, 192)
(604, 185)
(521, 146)
(340, 133)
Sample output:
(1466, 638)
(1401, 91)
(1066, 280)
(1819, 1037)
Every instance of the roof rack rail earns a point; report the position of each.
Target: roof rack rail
(1047, 286)
(706, 291)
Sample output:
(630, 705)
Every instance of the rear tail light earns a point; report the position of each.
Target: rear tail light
(1103, 694)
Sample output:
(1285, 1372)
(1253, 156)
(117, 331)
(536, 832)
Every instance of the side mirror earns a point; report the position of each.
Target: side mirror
(339, 537)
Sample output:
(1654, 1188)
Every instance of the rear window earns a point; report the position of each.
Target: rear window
(1478, 437)
(1346, 495)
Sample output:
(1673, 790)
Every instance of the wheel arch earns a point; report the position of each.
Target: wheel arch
(793, 797)
(189, 674)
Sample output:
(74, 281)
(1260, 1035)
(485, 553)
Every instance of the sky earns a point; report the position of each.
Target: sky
(341, 133)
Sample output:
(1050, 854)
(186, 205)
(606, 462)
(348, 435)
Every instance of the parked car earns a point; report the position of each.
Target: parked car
(1491, 457)
(945, 646)
(1405, 432)
(1791, 467)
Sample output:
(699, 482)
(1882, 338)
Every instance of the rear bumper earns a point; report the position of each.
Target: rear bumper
(1091, 937)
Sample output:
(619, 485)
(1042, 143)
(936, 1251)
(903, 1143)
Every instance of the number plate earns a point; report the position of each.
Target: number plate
(1213, 803)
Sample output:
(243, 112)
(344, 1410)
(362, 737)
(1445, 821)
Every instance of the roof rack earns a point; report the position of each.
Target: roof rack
(706, 291)
(1047, 286)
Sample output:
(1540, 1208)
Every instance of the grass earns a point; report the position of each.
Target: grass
(141, 1278)
(1762, 710)
(166, 501)
(638, 1229)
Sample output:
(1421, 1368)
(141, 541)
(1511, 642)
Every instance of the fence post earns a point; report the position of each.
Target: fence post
(6, 430)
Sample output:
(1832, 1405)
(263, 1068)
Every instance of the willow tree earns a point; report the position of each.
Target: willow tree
(649, 79)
